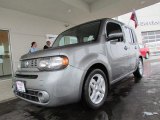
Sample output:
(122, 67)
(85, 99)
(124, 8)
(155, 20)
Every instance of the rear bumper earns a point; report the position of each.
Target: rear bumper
(59, 87)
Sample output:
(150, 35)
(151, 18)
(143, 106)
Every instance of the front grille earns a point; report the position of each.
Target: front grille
(26, 76)
(33, 63)
(29, 95)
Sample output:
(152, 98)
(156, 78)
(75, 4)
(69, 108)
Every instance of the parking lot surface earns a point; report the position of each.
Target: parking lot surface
(130, 99)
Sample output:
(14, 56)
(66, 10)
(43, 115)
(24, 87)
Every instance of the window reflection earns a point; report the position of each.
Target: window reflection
(5, 63)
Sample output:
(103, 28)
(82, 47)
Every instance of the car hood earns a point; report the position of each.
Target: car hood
(42, 53)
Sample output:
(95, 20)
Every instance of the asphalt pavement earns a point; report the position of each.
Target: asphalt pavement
(130, 99)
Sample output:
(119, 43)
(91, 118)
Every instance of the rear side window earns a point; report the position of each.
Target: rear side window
(129, 35)
(81, 34)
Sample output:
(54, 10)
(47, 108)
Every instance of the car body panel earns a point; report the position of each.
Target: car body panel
(56, 84)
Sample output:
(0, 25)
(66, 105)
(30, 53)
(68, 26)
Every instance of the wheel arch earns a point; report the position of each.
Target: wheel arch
(96, 66)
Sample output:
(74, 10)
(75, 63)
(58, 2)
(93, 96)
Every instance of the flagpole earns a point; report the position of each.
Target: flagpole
(130, 18)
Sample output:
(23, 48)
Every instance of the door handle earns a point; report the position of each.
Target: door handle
(125, 47)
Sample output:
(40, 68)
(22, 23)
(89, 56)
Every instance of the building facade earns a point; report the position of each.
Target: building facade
(148, 30)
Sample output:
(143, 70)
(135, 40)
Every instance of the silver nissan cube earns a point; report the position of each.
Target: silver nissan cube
(82, 65)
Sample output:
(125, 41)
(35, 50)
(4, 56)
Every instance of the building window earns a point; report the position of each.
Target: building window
(152, 40)
(5, 63)
(157, 36)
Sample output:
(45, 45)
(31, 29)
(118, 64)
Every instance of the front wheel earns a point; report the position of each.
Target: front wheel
(95, 89)
(139, 71)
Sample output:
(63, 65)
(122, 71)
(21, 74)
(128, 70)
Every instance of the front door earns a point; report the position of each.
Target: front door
(117, 52)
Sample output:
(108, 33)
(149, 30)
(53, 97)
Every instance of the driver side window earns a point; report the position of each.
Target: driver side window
(113, 28)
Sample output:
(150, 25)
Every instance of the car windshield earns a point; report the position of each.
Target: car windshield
(83, 33)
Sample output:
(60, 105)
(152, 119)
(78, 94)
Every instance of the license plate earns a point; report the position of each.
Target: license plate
(20, 86)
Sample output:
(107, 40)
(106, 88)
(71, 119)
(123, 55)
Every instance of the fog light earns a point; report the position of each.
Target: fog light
(43, 96)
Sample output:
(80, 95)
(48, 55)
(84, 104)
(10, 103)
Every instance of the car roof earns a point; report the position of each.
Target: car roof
(101, 20)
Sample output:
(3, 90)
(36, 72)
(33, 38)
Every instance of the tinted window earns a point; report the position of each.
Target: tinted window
(83, 33)
(114, 28)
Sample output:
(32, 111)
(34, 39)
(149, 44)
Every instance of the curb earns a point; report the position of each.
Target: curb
(3, 101)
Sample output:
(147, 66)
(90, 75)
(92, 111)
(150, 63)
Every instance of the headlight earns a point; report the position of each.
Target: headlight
(53, 63)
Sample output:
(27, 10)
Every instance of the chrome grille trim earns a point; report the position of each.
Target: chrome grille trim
(32, 63)
(29, 95)
(26, 76)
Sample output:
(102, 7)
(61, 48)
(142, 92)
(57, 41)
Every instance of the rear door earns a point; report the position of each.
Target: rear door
(133, 48)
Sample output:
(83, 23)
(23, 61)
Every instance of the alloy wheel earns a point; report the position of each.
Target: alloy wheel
(97, 88)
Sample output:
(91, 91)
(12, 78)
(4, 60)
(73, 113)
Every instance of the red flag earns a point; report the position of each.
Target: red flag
(134, 18)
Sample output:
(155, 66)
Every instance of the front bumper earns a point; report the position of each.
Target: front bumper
(60, 87)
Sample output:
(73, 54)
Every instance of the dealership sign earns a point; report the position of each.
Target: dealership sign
(148, 22)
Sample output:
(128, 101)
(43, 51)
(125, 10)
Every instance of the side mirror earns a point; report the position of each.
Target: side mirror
(115, 35)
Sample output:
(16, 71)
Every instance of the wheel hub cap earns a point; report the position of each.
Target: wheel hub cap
(97, 88)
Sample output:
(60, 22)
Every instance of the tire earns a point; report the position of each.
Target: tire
(95, 89)
(147, 56)
(139, 71)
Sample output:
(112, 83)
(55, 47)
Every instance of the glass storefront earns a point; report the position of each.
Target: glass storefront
(5, 61)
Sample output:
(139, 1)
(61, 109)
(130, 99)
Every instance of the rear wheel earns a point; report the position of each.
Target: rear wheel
(139, 71)
(95, 89)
